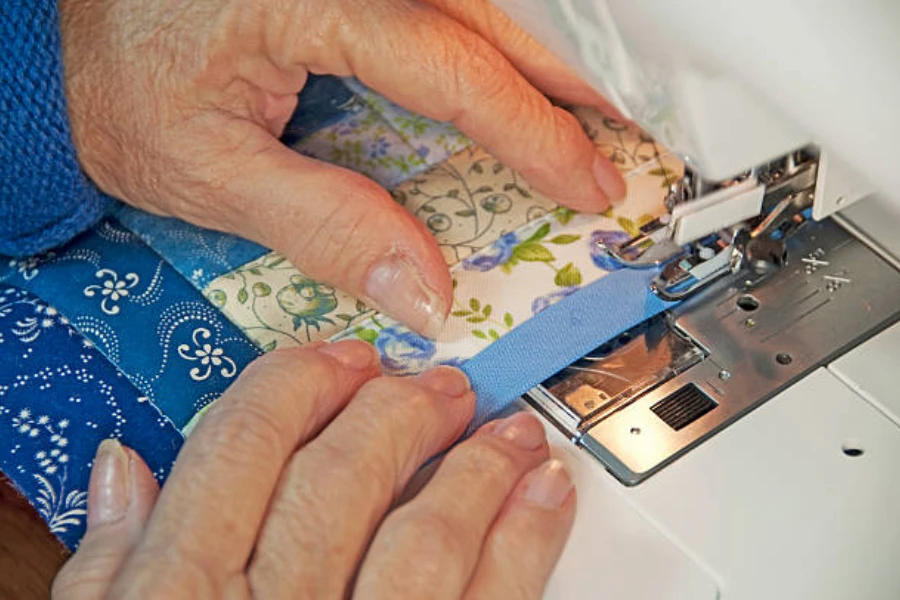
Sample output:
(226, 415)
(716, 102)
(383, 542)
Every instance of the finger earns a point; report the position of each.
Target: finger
(528, 537)
(336, 226)
(537, 64)
(227, 471)
(429, 63)
(337, 489)
(430, 546)
(121, 495)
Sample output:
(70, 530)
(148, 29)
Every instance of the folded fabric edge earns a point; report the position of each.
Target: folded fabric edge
(558, 336)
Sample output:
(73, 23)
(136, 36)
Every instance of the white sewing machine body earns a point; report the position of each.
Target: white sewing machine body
(747, 445)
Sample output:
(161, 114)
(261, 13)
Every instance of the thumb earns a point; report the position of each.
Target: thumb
(341, 228)
(121, 496)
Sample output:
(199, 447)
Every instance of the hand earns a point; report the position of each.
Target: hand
(288, 489)
(176, 108)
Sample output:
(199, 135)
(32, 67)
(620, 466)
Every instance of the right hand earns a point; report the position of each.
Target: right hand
(289, 486)
(176, 108)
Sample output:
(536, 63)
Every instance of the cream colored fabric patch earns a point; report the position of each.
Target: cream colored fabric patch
(477, 208)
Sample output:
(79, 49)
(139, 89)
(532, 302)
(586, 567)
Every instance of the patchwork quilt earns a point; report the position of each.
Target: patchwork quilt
(135, 327)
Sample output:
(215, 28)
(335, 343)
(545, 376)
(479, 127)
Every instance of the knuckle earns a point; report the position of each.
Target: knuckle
(343, 237)
(279, 366)
(481, 73)
(436, 542)
(301, 374)
(416, 399)
(477, 72)
(400, 401)
(487, 457)
(239, 431)
(372, 471)
(548, 128)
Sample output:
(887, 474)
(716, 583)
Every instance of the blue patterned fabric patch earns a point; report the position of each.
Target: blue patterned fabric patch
(59, 398)
(200, 255)
(324, 101)
(364, 142)
(165, 337)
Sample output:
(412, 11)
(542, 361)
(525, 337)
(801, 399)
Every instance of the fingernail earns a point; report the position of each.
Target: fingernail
(549, 485)
(110, 490)
(521, 429)
(397, 288)
(351, 354)
(445, 380)
(609, 179)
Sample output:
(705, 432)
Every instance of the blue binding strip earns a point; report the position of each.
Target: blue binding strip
(558, 336)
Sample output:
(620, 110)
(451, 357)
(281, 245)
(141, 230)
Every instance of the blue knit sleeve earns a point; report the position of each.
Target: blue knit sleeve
(45, 197)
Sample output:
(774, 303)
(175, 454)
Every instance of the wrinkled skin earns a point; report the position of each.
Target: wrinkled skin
(176, 108)
(289, 488)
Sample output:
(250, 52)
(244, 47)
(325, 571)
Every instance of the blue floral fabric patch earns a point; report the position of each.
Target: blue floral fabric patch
(174, 346)
(59, 398)
(431, 141)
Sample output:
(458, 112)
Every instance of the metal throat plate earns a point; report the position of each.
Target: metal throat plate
(643, 400)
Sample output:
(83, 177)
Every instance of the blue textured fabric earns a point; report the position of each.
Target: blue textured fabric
(59, 398)
(200, 255)
(165, 337)
(45, 198)
(558, 336)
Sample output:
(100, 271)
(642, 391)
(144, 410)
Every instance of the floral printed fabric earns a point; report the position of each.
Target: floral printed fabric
(59, 398)
(432, 140)
(364, 142)
(470, 200)
(164, 336)
(381, 140)
(277, 306)
(467, 202)
(521, 274)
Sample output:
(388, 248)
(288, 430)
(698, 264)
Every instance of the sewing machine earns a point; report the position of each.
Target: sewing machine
(746, 444)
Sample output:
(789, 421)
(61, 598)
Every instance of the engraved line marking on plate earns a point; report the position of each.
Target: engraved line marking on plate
(797, 320)
(734, 292)
(841, 245)
(714, 387)
(728, 314)
(808, 296)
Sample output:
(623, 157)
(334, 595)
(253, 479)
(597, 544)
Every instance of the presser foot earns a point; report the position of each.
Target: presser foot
(648, 397)
(715, 228)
